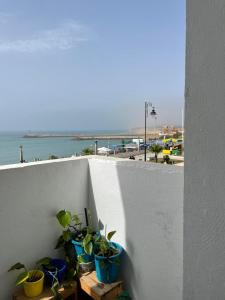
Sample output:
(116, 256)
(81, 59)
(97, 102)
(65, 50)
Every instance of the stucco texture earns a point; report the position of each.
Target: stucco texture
(204, 184)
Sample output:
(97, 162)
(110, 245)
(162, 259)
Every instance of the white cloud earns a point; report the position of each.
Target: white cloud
(64, 37)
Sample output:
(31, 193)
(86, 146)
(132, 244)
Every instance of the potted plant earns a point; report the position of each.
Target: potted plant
(54, 269)
(32, 280)
(107, 258)
(75, 233)
(55, 272)
(80, 237)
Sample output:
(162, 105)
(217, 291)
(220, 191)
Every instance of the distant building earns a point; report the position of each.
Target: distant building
(170, 131)
(138, 141)
(131, 147)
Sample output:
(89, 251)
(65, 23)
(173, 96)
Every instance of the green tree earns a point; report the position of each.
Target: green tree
(87, 151)
(156, 149)
(52, 156)
(167, 159)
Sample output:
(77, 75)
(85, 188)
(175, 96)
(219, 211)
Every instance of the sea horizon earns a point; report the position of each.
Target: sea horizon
(86, 131)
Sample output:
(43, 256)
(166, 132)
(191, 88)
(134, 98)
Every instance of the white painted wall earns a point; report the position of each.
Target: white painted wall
(144, 203)
(30, 196)
(204, 192)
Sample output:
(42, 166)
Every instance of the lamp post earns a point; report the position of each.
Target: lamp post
(153, 113)
(21, 154)
(96, 147)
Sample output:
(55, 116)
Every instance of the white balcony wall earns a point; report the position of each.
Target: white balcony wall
(144, 204)
(30, 196)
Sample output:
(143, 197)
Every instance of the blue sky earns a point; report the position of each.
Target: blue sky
(90, 64)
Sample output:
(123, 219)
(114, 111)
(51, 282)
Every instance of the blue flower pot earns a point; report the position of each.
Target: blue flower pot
(108, 269)
(59, 274)
(79, 249)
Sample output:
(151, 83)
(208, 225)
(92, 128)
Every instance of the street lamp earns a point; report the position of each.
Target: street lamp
(153, 114)
(21, 154)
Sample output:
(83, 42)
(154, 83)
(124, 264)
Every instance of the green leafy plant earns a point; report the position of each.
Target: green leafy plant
(156, 149)
(103, 245)
(71, 225)
(26, 275)
(107, 254)
(74, 229)
(33, 276)
(87, 151)
(88, 243)
(46, 262)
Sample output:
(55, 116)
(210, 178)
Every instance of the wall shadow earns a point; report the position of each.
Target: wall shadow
(143, 203)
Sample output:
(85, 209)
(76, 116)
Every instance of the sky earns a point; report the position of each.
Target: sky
(90, 64)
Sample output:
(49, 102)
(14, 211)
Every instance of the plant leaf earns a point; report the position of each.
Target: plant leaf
(67, 235)
(88, 248)
(22, 278)
(110, 235)
(87, 239)
(17, 266)
(55, 288)
(76, 219)
(64, 218)
(44, 261)
(80, 259)
(97, 237)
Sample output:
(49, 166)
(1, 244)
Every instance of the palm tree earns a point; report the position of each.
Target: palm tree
(156, 149)
(87, 151)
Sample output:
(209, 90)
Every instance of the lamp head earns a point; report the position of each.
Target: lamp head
(153, 112)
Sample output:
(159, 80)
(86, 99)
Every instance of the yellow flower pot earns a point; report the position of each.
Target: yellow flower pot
(33, 289)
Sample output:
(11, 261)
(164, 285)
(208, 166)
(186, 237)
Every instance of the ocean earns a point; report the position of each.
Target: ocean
(42, 148)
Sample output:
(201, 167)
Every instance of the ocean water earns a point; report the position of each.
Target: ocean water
(42, 148)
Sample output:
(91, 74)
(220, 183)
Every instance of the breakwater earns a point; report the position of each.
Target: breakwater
(84, 137)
